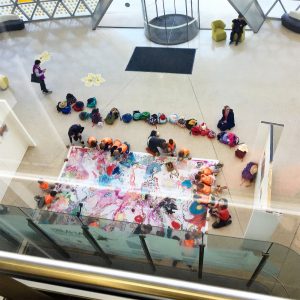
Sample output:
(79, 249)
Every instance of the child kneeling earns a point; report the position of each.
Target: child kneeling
(220, 210)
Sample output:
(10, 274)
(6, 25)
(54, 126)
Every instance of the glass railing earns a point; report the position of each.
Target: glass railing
(262, 267)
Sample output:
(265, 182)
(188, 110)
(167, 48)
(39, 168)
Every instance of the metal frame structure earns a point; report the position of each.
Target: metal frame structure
(39, 10)
(282, 5)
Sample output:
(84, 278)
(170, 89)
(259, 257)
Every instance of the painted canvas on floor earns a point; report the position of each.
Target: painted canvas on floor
(139, 189)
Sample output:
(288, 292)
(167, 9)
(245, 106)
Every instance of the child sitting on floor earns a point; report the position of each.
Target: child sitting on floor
(92, 142)
(171, 150)
(106, 144)
(183, 154)
(220, 211)
(45, 186)
(203, 188)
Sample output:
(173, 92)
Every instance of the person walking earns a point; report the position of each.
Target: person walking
(40, 75)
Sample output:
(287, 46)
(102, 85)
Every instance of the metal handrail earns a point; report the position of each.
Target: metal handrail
(122, 282)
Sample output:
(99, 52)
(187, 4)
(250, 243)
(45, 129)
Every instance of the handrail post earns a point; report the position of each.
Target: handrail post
(265, 256)
(49, 239)
(147, 253)
(95, 245)
(201, 259)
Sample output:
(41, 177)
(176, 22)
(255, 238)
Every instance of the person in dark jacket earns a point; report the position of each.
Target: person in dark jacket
(227, 120)
(40, 73)
(237, 28)
(154, 142)
(75, 132)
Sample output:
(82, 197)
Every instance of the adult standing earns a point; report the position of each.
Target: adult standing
(75, 132)
(237, 28)
(227, 120)
(40, 74)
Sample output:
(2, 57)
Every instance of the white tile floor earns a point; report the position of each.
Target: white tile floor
(259, 79)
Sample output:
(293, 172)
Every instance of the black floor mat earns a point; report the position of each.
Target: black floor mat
(162, 60)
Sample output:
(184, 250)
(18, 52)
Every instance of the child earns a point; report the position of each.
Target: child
(121, 150)
(154, 143)
(207, 179)
(203, 188)
(92, 142)
(183, 154)
(75, 132)
(50, 198)
(106, 144)
(45, 186)
(171, 147)
(96, 117)
(220, 210)
(116, 144)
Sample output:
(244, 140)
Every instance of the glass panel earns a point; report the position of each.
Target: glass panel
(16, 223)
(123, 14)
(241, 5)
(254, 18)
(227, 255)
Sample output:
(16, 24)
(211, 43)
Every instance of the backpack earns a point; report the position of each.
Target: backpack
(173, 118)
(127, 118)
(78, 106)
(145, 115)
(228, 138)
(95, 116)
(136, 115)
(71, 99)
(196, 130)
(153, 120)
(84, 115)
(190, 123)
(91, 102)
(162, 118)
(66, 110)
(204, 129)
(112, 116)
(211, 134)
(181, 122)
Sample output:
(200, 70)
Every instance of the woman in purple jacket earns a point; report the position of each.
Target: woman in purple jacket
(40, 73)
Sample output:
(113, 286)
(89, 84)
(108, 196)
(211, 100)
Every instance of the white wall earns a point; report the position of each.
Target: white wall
(13, 145)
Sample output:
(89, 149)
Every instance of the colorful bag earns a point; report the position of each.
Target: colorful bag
(211, 134)
(190, 123)
(66, 110)
(71, 99)
(95, 116)
(228, 138)
(181, 122)
(196, 130)
(136, 115)
(127, 118)
(91, 102)
(153, 120)
(162, 118)
(112, 116)
(145, 115)
(78, 106)
(84, 115)
(173, 118)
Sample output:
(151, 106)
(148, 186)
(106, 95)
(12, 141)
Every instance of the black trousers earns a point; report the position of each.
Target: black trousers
(239, 35)
(43, 86)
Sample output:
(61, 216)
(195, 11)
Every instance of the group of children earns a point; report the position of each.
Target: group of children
(49, 194)
(158, 146)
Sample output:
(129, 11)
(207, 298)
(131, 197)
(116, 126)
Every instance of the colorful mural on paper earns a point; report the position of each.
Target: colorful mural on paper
(138, 189)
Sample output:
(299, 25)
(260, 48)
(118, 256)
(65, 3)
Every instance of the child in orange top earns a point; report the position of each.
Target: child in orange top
(171, 147)
(207, 179)
(45, 186)
(49, 198)
(183, 154)
(106, 143)
(92, 142)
